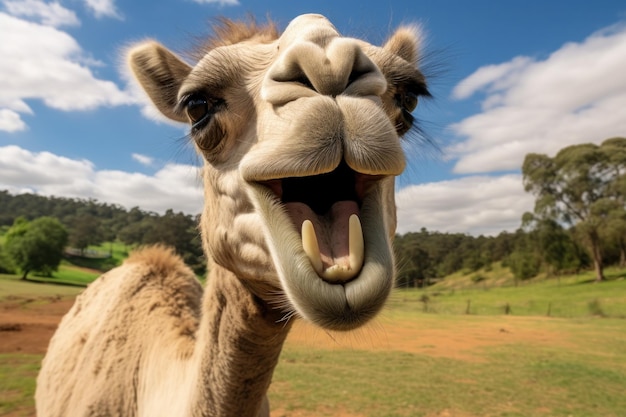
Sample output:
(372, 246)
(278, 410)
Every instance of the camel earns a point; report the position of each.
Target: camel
(300, 134)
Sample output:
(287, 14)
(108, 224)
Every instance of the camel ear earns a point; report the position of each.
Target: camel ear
(160, 74)
(405, 43)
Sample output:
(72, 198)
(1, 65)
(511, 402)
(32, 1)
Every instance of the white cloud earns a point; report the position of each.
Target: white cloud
(220, 2)
(10, 121)
(497, 76)
(24, 168)
(67, 82)
(143, 159)
(103, 8)
(49, 14)
(174, 186)
(576, 95)
(475, 205)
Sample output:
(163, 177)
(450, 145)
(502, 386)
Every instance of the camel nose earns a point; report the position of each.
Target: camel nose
(328, 66)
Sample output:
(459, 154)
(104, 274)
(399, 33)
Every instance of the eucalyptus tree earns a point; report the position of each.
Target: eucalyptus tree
(583, 186)
(36, 245)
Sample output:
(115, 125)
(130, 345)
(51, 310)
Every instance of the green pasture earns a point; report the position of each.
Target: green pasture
(67, 274)
(13, 286)
(17, 383)
(110, 255)
(568, 296)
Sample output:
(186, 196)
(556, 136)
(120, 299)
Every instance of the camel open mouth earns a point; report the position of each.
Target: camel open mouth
(326, 210)
(330, 244)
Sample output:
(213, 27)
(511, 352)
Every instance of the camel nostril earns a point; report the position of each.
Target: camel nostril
(333, 67)
(355, 75)
(304, 81)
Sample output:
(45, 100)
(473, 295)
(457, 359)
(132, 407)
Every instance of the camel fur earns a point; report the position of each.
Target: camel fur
(300, 134)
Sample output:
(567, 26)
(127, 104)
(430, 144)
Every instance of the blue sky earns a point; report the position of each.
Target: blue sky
(508, 78)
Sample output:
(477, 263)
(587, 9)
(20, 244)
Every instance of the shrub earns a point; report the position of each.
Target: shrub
(595, 308)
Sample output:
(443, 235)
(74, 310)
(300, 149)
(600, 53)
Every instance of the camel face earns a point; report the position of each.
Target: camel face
(301, 137)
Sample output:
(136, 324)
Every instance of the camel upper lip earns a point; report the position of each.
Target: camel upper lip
(321, 191)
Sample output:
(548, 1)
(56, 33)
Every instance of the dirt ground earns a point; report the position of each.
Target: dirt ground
(27, 324)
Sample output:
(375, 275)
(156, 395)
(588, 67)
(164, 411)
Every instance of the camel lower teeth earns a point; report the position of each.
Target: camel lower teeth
(336, 273)
(311, 247)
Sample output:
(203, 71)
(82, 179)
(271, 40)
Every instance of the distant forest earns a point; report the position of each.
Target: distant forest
(90, 222)
(424, 257)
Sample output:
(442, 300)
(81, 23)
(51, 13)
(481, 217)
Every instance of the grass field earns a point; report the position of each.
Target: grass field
(538, 367)
(17, 383)
(567, 296)
(116, 252)
(434, 360)
(13, 286)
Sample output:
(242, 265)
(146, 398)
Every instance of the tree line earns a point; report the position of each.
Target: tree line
(578, 222)
(89, 222)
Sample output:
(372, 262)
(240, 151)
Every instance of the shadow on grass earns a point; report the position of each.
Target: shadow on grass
(99, 264)
(608, 277)
(55, 281)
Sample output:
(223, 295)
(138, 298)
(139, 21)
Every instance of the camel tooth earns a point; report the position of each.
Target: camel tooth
(337, 273)
(357, 246)
(311, 247)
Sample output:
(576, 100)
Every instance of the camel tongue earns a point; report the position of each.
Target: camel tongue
(334, 242)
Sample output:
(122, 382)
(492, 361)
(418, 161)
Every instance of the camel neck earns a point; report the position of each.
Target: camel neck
(238, 345)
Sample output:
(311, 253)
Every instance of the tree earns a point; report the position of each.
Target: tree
(6, 265)
(181, 232)
(413, 263)
(36, 245)
(523, 261)
(85, 230)
(581, 186)
(555, 246)
(615, 231)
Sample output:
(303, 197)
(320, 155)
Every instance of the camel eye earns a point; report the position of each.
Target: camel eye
(409, 102)
(197, 108)
(406, 100)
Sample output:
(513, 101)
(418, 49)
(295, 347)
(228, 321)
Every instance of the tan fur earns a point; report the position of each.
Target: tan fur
(229, 32)
(272, 114)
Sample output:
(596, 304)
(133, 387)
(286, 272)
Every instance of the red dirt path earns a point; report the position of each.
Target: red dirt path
(27, 324)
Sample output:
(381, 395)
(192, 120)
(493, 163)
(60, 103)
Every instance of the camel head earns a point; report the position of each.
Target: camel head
(301, 137)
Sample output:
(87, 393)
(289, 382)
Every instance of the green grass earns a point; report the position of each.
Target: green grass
(17, 383)
(13, 286)
(117, 250)
(66, 275)
(69, 272)
(572, 296)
